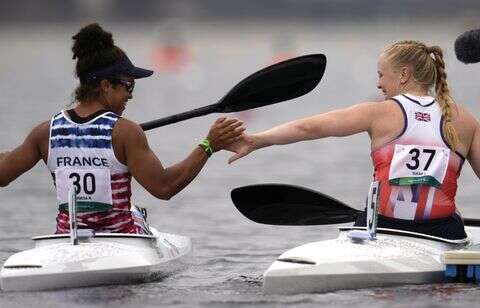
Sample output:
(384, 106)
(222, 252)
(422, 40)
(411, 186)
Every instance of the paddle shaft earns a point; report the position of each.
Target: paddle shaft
(198, 112)
(471, 222)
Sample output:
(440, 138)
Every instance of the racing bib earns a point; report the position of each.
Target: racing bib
(92, 186)
(418, 164)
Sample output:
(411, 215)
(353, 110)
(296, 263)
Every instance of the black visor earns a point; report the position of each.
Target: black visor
(124, 66)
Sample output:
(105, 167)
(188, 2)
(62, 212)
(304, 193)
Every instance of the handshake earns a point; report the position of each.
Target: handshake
(229, 134)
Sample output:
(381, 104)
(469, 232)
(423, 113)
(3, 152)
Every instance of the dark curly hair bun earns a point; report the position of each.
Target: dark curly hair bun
(91, 40)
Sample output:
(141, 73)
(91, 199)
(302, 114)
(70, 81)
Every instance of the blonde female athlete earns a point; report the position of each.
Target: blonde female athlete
(98, 152)
(418, 142)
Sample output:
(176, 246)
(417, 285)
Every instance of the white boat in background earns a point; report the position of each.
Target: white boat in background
(105, 258)
(393, 258)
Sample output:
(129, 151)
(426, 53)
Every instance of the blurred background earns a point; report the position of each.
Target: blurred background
(155, 10)
(199, 51)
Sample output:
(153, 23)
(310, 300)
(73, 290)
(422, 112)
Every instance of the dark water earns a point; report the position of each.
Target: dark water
(230, 252)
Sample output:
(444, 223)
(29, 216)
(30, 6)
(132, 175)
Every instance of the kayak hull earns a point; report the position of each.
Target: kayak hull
(104, 259)
(391, 259)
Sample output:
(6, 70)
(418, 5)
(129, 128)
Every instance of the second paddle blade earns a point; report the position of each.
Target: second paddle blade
(280, 204)
(279, 82)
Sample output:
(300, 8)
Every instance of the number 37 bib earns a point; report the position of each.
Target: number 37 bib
(418, 164)
(92, 186)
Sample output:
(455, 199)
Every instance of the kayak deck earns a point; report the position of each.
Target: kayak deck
(103, 259)
(340, 263)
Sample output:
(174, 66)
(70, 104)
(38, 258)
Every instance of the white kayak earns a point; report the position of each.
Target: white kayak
(103, 258)
(394, 258)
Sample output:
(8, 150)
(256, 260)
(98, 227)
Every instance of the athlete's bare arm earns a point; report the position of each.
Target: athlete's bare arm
(146, 168)
(341, 122)
(363, 117)
(3, 155)
(24, 157)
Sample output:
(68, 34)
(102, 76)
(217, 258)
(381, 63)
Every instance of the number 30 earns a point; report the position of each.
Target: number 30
(88, 182)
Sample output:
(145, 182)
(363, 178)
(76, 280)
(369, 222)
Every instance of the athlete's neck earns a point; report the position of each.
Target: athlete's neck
(414, 89)
(84, 109)
(416, 93)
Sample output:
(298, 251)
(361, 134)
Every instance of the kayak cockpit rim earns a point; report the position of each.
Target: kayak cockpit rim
(411, 234)
(104, 235)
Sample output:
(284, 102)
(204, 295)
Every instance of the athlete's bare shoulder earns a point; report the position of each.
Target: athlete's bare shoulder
(375, 109)
(387, 123)
(390, 103)
(125, 128)
(385, 111)
(42, 129)
(379, 107)
(126, 135)
(464, 121)
(465, 125)
(39, 136)
(463, 115)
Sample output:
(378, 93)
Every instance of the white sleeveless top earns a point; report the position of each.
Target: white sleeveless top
(417, 171)
(424, 119)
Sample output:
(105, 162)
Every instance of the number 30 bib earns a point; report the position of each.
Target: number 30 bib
(92, 186)
(418, 164)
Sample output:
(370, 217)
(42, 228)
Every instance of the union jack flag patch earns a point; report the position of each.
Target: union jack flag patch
(420, 116)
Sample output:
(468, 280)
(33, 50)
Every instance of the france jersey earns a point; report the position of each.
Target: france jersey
(81, 156)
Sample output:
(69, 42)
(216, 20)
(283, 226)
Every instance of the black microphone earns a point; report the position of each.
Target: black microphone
(467, 47)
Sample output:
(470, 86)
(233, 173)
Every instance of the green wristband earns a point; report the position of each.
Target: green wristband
(207, 147)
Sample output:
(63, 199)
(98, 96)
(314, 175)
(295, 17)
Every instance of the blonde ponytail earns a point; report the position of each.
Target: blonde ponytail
(444, 98)
(429, 72)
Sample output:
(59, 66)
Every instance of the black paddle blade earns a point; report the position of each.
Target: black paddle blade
(280, 204)
(277, 83)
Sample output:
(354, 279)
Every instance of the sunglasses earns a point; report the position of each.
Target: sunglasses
(129, 85)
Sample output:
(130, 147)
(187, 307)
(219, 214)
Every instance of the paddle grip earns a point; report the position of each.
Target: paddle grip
(180, 117)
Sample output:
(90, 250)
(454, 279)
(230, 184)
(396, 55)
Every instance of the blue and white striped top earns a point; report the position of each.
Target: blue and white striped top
(83, 145)
(95, 134)
(86, 148)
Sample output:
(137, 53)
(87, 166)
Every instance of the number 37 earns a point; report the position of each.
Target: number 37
(415, 163)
